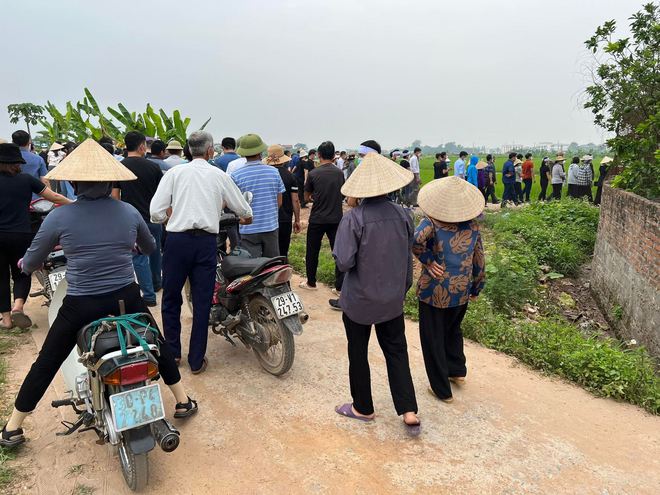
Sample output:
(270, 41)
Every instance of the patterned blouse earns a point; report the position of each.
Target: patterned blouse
(458, 249)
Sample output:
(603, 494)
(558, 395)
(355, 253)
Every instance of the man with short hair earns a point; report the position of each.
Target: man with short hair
(159, 154)
(139, 193)
(440, 167)
(228, 154)
(191, 200)
(260, 238)
(491, 179)
(34, 165)
(341, 159)
(305, 166)
(323, 189)
(414, 168)
(175, 150)
(509, 181)
(459, 165)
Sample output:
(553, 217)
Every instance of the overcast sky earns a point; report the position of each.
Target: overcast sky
(475, 71)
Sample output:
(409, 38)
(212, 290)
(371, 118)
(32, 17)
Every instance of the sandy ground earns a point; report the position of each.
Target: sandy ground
(510, 430)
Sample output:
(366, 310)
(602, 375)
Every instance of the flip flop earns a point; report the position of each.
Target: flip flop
(458, 380)
(347, 411)
(21, 320)
(202, 368)
(413, 430)
(448, 400)
(11, 439)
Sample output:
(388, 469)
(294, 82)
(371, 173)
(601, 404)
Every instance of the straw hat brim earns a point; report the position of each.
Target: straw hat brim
(277, 161)
(376, 176)
(607, 159)
(56, 147)
(451, 199)
(481, 165)
(89, 162)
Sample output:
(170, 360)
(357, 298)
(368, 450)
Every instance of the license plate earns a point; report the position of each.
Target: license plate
(287, 305)
(55, 279)
(137, 407)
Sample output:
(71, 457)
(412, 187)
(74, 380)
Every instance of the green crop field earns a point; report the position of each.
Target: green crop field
(426, 167)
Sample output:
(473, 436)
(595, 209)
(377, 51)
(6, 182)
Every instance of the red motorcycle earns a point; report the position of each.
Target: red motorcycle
(253, 303)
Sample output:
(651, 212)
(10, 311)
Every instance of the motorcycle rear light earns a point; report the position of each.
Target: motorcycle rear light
(280, 277)
(238, 283)
(132, 373)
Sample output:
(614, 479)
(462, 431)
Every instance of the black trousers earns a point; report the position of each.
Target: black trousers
(490, 192)
(315, 233)
(392, 340)
(518, 191)
(76, 312)
(12, 248)
(544, 189)
(284, 239)
(442, 345)
(556, 191)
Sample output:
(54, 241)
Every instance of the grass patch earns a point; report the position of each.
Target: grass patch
(326, 270)
(601, 365)
(81, 489)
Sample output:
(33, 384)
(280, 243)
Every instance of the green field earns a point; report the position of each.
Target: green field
(426, 167)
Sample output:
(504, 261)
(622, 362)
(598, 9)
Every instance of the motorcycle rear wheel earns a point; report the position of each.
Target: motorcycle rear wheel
(278, 358)
(134, 467)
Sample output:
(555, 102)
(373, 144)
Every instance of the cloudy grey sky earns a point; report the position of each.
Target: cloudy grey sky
(475, 71)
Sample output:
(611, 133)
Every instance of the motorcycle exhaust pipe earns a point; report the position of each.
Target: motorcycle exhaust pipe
(166, 435)
(303, 317)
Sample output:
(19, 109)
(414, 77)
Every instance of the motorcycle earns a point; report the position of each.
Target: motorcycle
(54, 268)
(253, 303)
(110, 379)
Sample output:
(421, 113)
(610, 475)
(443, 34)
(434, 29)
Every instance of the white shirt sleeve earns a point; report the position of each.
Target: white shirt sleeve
(234, 198)
(161, 200)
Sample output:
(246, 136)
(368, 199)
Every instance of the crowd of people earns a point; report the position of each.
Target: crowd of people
(160, 206)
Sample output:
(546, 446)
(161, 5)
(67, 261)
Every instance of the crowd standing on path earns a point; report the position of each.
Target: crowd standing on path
(161, 206)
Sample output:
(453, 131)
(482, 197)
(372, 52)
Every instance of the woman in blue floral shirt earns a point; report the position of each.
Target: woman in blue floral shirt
(448, 245)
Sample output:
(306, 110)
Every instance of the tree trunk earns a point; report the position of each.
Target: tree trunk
(28, 126)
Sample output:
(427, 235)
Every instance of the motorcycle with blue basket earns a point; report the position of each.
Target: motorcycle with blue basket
(111, 378)
(253, 303)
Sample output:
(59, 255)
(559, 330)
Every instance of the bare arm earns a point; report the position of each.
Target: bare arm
(53, 197)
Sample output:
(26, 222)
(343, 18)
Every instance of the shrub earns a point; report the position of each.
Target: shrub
(602, 366)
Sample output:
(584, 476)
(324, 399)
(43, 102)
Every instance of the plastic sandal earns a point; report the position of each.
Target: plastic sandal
(190, 409)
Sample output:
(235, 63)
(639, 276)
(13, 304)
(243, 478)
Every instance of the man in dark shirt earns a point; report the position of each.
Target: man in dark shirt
(323, 187)
(139, 193)
(290, 208)
(304, 167)
(440, 167)
(509, 181)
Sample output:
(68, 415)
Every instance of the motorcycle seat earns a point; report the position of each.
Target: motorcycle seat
(109, 341)
(236, 266)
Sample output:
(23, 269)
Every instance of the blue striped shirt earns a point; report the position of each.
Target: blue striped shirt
(265, 183)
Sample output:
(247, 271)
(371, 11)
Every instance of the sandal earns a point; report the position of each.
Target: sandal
(414, 429)
(448, 400)
(347, 411)
(190, 409)
(202, 368)
(458, 380)
(11, 439)
(21, 320)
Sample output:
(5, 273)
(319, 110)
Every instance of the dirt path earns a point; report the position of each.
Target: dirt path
(510, 430)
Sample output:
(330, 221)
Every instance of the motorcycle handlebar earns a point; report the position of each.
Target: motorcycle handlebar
(228, 220)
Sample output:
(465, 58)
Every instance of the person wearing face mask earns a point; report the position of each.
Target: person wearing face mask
(99, 274)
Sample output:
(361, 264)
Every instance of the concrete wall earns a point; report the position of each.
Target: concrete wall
(626, 266)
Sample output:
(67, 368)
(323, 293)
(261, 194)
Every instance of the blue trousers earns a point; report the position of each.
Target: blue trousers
(156, 258)
(509, 193)
(193, 257)
(143, 274)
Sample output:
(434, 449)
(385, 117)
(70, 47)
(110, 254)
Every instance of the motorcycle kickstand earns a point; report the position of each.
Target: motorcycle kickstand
(85, 418)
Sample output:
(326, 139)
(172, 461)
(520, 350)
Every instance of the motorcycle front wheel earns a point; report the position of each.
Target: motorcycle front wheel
(278, 358)
(134, 467)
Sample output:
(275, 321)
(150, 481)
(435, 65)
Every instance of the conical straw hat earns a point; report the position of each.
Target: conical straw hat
(89, 162)
(56, 146)
(451, 199)
(376, 176)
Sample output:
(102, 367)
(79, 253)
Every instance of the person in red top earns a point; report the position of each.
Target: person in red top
(527, 176)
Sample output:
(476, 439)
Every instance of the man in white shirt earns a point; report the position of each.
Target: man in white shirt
(235, 165)
(459, 165)
(414, 168)
(341, 160)
(191, 199)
